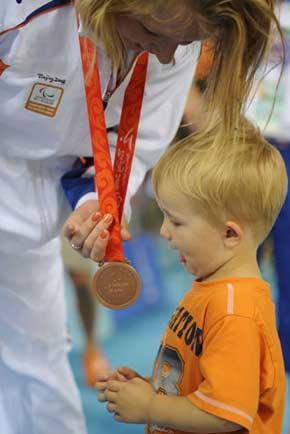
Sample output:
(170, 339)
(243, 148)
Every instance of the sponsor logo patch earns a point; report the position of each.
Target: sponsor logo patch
(44, 99)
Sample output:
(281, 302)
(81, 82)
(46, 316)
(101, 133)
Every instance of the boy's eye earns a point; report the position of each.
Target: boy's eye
(175, 223)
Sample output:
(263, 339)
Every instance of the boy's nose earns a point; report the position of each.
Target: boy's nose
(164, 232)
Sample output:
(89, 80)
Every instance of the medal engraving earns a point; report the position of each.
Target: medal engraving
(117, 285)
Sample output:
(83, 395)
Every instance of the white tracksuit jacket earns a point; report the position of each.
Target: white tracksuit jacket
(43, 128)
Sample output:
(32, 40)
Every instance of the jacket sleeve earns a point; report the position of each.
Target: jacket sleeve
(78, 183)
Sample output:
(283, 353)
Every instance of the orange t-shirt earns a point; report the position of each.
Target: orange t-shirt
(221, 350)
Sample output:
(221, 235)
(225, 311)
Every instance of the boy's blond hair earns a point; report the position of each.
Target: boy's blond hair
(241, 32)
(245, 181)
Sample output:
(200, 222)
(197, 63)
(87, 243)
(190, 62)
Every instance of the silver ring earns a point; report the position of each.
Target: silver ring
(75, 247)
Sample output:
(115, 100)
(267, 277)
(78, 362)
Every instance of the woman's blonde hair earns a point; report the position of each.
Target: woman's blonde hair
(240, 30)
(245, 181)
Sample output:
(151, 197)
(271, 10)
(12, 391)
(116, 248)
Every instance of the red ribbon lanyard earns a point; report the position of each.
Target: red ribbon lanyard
(110, 183)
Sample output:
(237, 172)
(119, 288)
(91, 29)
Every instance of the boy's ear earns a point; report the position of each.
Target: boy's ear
(233, 234)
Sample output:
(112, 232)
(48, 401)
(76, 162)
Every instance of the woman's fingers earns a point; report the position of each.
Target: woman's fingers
(99, 247)
(125, 233)
(81, 235)
(92, 237)
(89, 232)
(78, 217)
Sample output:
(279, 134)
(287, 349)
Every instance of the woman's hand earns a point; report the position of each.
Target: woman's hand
(88, 230)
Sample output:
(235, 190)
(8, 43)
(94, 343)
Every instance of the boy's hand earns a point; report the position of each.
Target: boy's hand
(129, 373)
(130, 401)
(103, 377)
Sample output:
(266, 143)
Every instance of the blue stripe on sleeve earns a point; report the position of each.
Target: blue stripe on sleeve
(50, 5)
(75, 185)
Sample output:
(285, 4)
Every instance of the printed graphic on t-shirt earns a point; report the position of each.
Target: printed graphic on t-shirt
(185, 327)
(167, 376)
(183, 341)
(44, 99)
(168, 371)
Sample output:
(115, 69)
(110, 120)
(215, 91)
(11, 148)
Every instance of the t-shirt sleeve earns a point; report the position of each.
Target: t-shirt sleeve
(230, 366)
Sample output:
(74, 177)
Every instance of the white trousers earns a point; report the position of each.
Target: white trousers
(37, 390)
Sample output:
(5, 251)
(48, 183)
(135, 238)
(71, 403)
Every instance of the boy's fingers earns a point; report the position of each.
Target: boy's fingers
(114, 386)
(121, 377)
(104, 375)
(128, 373)
(111, 407)
(102, 397)
(101, 385)
(110, 396)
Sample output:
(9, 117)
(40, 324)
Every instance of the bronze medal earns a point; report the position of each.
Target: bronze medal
(116, 285)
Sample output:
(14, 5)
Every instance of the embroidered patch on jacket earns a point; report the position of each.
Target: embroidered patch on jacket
(3, 66)
(44, 99)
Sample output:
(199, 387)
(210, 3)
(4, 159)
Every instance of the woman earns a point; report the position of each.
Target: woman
(44, 128)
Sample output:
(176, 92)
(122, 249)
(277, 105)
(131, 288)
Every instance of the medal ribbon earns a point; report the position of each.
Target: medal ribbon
(111, 183)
